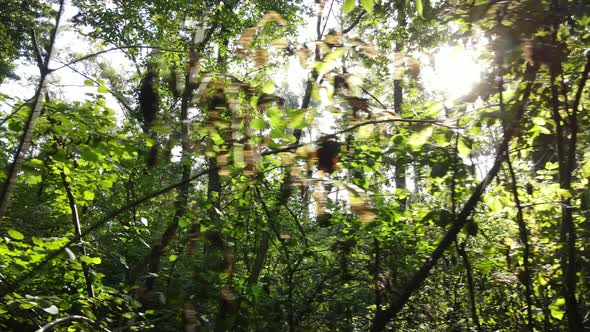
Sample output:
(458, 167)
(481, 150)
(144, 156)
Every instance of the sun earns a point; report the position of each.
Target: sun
(453, 71)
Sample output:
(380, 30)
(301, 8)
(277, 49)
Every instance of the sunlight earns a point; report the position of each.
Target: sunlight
(454, 72)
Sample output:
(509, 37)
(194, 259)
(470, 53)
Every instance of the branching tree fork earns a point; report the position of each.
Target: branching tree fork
(383, 317)
(36, 105)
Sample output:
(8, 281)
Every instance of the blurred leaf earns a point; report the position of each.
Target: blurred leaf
(418, 139)
(88, 195)
(348, 6)
(419, 8)
(368, 5)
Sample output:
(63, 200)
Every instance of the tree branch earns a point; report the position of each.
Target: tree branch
(78, 232)
(21, 281)
(38, 55)
(25, 140)
(354, 23)
(51, 325)
(383, 317)
(118, 48)
(119, 98)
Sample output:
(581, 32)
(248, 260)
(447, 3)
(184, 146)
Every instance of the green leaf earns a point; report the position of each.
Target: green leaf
(258, 124)
(15, 234)
(348, 6)
(419, 8)
(88, 83)
(276, 120)
(556, 308)
(585, 170)
(172, 258)
(102, 89)
(88, 195)
(35, 179)
(368, 5)
(557, 314)
(419, 138)
(495, 206)
(297, 119)
(90, 260)
(463, 147)
(269, 88)
(439, 217)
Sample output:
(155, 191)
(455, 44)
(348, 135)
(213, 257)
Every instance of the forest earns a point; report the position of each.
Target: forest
(294, 165)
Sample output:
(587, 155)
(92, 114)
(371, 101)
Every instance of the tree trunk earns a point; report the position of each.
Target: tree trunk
(400, 163)
(78, 232)
(383, 317)
(25, 141)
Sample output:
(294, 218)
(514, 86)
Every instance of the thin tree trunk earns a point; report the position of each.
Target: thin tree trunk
(157, 250)
(25, 141)
(470, 284)
(522, 228)
(567, 230)
(400, 167)
(383, 317)
(524, 238)
(78, 232)
(567, 161)
(377, 269)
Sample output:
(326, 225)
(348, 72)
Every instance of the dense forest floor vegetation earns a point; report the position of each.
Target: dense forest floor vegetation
(294, 165)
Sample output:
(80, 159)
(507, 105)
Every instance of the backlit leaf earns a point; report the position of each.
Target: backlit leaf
(417, 139)
(15, 234)
(368, 5)
(348, 6)
(88, 195)
(419, 8)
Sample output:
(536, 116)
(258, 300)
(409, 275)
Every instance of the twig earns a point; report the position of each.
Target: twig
(78, 232)
(51, 325)
(119, 99)
(118, 48)
(327, 18)
(374, 98)
(354, 23)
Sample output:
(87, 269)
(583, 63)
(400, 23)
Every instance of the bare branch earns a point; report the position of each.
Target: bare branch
(15, 111)
(51, 325)
(38, 55)
(118, 48)
(116, 95)
(354, 23)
